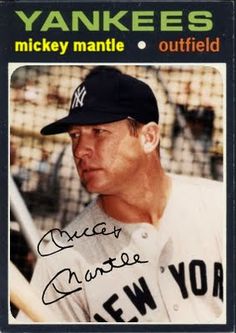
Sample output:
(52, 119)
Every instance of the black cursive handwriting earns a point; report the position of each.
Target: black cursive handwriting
(110, 265)
(61, 238)
(71, 278)
(62, 275)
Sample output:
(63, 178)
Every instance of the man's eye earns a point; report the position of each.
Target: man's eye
(74, 135)
(99, 131)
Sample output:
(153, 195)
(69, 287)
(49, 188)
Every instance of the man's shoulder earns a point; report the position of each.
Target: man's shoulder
(197, 183)
(199, 203)
(87, 217)
(193, 191)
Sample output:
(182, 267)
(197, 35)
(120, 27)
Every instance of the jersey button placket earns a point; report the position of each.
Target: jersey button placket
(146, 242)
(144, 235)
(162, 269)
(176, 307)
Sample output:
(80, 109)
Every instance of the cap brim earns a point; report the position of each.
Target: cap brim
(81, 118)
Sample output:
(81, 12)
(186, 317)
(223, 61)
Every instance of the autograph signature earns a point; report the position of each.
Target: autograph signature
(66, 282)
(63, 240)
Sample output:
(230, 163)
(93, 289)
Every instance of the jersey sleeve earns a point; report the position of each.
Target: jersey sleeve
(214, 198)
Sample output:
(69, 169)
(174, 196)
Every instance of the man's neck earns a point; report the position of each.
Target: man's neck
(147, 204)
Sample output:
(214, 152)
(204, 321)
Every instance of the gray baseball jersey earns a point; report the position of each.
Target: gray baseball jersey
(102, 270)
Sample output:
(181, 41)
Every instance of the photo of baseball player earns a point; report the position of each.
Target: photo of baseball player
(149, 247)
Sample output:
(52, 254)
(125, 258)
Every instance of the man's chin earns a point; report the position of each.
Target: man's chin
(96, 188)
(90, 187)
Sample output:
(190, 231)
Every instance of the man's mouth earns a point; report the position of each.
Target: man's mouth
(89, 171)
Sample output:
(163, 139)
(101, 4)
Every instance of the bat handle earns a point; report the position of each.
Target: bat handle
(25, 298)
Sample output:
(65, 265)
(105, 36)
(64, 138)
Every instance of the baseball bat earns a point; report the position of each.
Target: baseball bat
(25, 298)
(23, 216)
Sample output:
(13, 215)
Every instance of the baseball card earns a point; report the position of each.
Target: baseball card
(117, 166)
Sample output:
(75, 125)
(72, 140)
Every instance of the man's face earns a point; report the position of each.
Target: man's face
(107, 157)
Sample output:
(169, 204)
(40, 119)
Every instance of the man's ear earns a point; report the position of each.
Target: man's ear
(150, 137)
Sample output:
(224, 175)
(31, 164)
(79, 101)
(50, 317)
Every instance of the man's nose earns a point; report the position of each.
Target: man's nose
(83, 148)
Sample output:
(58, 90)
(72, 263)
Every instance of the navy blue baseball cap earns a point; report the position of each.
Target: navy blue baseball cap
(107, 95)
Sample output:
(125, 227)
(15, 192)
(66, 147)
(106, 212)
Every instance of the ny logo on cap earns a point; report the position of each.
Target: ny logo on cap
(79, 97)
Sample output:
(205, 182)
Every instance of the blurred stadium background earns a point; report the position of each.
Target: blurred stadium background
(190, 100)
